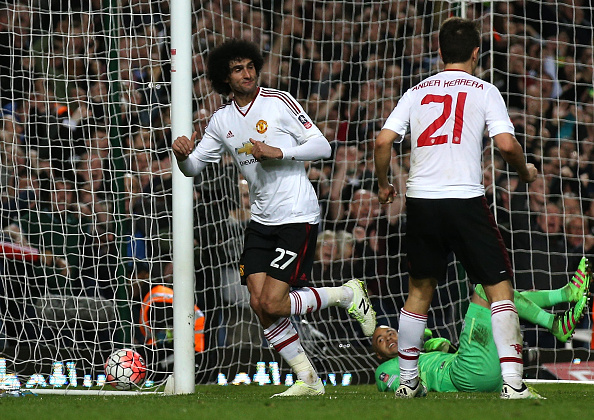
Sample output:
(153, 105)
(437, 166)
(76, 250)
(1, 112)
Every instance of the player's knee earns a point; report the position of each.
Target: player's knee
(271, 308)
(256, 306)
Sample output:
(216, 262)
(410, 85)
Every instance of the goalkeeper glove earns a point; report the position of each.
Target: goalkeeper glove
(439, 344)
(427, 334)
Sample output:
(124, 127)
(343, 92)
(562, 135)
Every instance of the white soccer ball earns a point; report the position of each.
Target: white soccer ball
(125, 369)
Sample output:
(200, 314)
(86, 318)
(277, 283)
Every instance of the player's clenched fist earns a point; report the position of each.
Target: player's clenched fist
(530, 174)
(386, 195)
(183, 146)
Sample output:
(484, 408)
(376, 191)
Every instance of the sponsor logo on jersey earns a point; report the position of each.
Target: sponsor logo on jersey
(230, 134)
(247, 162)
(303, 120)
(261, 126)
(246, 148)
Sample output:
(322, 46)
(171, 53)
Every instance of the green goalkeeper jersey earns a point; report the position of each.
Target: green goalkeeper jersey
(473, 368)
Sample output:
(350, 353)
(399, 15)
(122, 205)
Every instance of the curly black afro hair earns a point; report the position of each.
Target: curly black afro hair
(217, 68)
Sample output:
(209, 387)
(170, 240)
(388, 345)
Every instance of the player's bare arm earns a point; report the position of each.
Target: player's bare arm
(262, 151)
(183, 146)
(382, 156)
(512, 152)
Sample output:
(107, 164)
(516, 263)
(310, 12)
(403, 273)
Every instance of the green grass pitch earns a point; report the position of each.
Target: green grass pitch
(564, 401)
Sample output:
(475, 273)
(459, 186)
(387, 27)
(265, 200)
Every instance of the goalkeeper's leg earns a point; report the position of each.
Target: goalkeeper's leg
(571, 292)
(529, 304)
(527, 309)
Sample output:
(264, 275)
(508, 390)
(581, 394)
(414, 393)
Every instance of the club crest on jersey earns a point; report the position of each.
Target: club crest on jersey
(245, 148)
(261, 126)
(303, 120)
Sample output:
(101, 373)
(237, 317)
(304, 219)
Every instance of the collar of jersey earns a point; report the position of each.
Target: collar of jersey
(250, 106)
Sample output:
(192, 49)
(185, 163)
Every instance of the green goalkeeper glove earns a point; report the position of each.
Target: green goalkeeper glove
(427, 335)
(439, 344)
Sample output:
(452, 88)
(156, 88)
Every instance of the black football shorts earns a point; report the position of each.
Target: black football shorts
(284, 252)
(466, 227)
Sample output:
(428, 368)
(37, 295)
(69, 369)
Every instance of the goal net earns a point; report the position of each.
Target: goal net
(85, 182)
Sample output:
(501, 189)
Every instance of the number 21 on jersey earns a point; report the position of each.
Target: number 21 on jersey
(427, 137)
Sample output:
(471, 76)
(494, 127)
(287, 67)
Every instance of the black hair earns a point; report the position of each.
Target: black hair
(217, 68)
(457, 39)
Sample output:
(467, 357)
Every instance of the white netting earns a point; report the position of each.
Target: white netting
(86, 170)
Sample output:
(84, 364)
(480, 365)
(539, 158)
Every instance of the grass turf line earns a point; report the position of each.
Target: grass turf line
(353, 402)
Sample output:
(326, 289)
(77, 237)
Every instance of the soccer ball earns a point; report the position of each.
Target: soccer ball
(125, 369)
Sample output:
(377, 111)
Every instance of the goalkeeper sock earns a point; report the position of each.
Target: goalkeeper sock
(310, 299)
(531, 312)
(410, 341)
(284, 338)
(508, 340)
(548, 298)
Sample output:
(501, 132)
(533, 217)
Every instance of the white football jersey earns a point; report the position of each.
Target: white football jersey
(280, 191)
(447, 114)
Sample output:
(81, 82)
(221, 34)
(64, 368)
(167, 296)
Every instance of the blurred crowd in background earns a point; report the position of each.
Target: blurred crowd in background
(85, 136)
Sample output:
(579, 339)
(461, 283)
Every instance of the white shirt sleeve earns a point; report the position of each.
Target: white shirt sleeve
(313, 149)
(399, 119)
(310, 143)
(208, 150)
(497, 117)
(191, 166)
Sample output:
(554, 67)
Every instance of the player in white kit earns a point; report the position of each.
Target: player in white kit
(269, 136)
(445, 203)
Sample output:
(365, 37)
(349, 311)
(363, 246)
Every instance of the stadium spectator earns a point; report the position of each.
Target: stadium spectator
(350, 174)
(326, 269)
(540, 254)
(474, 366)
(285, 212)
(435, 202)
(578, 233)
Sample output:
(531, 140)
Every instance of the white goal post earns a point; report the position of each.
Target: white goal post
(99, 226)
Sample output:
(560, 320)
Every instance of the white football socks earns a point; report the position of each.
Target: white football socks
(508, 340)
(284, 338)
(411, 330)
(311, 299)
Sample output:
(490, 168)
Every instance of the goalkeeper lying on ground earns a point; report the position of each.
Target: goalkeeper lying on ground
(475, 367)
